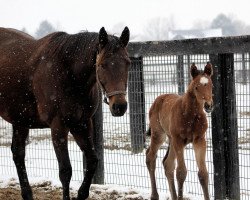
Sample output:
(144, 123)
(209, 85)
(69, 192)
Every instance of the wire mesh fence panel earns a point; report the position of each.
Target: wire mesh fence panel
(161, 74)
(242, 84)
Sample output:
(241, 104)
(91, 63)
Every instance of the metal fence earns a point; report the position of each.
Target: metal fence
(157, 68)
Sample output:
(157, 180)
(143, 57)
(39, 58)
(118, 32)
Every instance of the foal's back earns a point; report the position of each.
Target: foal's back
(160, 113)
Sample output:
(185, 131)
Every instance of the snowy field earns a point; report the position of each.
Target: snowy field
(125, 173)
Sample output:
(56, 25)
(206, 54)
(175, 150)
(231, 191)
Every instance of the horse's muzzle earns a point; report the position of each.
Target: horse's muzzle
(118, 109)
(208, 107)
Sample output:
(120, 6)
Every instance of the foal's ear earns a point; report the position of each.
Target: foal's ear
(208, 70)
(194, 71)
(103, 37)
(124, 37)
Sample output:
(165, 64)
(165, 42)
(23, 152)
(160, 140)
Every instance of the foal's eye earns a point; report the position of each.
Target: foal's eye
(196, 88)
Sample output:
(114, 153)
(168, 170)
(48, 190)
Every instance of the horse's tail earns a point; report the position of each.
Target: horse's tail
(148, 132)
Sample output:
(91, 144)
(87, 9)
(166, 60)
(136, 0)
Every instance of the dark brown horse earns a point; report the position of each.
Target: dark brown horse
(53, 82)
(183, 121)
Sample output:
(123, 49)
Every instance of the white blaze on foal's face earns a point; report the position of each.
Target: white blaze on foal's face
(204, 80)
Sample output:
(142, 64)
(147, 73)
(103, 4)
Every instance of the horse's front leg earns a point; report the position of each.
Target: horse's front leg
(83, 135)
(60, 143)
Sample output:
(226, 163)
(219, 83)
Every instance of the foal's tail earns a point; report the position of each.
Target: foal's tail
(146, 134)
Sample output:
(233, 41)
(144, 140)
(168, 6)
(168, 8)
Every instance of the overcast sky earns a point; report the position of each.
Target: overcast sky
(75, 15)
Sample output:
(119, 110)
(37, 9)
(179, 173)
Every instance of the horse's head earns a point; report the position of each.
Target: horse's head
(202, 86)
(112, 65)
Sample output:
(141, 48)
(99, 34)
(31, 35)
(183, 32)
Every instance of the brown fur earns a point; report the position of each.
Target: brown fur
(183, 121)
(52, 83)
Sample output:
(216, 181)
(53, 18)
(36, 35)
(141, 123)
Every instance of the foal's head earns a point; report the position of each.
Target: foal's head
(201, 86)
(112, 65)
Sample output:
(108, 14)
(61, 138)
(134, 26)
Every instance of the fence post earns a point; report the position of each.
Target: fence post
(98, 143)
(230, 126)
(180, 75)
(188, 68)
(218, 131)
(136, 105)
(225, 131)
(244, 70)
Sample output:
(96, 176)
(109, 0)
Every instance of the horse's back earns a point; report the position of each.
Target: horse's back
(17, 102)
(16, 48)
(9, 36)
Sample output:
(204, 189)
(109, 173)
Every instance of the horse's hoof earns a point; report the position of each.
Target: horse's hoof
(82, 195)
(28, 196)
(154, 197)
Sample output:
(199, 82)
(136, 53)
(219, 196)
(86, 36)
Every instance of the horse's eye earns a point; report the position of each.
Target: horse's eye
(196, 88)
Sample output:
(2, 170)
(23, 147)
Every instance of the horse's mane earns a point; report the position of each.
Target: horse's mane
(73, 46)
(68, 47)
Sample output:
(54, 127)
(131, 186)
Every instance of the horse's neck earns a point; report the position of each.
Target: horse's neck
(87, 76)
(190, 104)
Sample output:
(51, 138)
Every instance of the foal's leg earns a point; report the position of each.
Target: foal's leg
(200, 154)
(83, 135)
(157, 140)
(169, 166)
(181, 170)
(60, 143)
(18, 150)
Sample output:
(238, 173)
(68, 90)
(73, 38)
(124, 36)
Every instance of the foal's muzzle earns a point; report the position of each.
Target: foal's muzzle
(208, 107)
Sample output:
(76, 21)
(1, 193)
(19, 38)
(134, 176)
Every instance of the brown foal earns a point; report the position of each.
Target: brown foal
(183, 120)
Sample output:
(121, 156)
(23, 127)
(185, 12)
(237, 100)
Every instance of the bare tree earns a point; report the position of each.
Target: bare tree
(24, 30)
(158, 28)
(117, 28)
(230, 25)
(225, 23)
(44, 29)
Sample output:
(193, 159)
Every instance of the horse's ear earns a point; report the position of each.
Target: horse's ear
(125, 37)
(103, 37)
(194, 71)
(208, 70)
